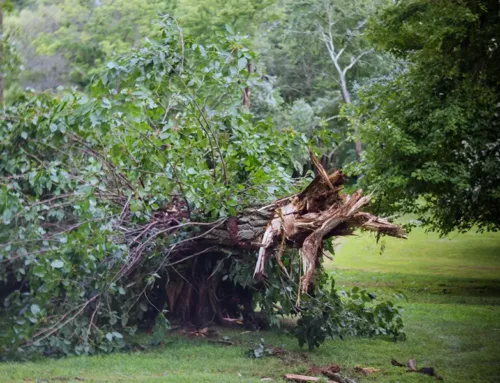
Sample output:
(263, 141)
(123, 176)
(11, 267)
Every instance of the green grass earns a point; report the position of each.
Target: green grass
(452, 321)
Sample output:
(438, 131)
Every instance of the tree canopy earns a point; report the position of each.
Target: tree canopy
(432, 127)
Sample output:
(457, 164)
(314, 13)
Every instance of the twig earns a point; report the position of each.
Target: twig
(55, 327)
(191, 256)
(92, 320)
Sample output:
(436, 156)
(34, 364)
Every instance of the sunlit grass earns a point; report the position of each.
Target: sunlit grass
(452, 321)
(424, 254)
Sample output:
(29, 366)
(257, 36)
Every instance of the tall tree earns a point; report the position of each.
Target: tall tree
(10, 63)
(340, 28)
(432, 129)
(206, 19)
(318, 51)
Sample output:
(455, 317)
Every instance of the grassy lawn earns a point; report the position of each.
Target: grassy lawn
(452, 321)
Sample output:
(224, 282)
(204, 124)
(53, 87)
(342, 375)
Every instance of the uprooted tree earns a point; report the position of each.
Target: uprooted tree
(303, 221)
(157, 196)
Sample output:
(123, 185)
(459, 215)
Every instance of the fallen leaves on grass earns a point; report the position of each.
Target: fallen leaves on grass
(221, 341)
(261, 350)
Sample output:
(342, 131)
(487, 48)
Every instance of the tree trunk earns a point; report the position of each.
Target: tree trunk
(347, 99)
(247, 91)
(202, 296)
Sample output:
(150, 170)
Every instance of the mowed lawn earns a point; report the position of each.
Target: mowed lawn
(452, 322)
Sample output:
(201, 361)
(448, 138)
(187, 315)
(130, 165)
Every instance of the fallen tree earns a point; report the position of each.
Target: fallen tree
(157, 197)
(303, 221)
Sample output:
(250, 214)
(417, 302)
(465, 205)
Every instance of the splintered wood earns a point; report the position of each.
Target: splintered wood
(307, 219)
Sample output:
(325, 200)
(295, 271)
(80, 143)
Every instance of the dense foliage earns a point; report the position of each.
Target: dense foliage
(65, 42)
(161, 121)
(432, 128)
(83, 175)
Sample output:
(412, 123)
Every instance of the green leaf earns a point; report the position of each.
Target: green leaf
(57, 264)
(106, 103)
(39, 271)
(35, 309)
(242, 63)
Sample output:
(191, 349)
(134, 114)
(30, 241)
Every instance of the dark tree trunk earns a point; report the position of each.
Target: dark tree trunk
(200, 296)
(247, 91)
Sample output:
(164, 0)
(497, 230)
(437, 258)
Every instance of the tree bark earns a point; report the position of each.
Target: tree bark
(347, 99)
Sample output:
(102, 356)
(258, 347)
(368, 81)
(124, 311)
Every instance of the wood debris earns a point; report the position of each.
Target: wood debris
(366, 370)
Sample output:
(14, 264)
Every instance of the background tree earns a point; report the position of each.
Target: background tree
(432, 128)
(205, 19)
(10, 60)
(65, 42)
(1, 54)
(62, 43)
(318, 53)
